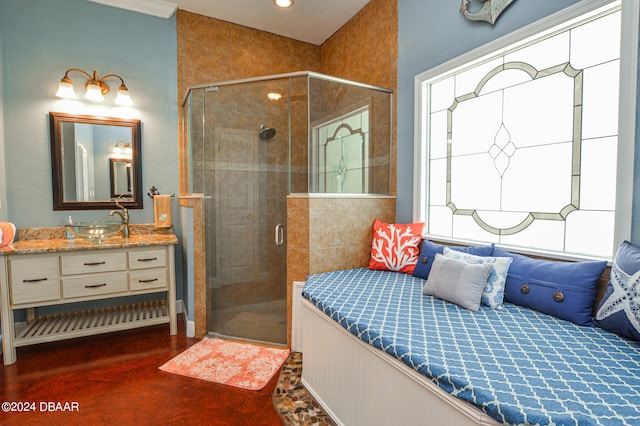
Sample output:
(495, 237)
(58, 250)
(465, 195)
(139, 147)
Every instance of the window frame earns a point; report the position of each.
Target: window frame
(630, 16)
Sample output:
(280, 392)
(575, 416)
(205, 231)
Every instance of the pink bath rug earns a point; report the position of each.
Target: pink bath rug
(243, 365)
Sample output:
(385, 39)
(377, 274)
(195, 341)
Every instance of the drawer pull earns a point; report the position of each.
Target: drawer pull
(95, 285)
(148, 259)
(148, 281)
(35, 280)
(94, 263)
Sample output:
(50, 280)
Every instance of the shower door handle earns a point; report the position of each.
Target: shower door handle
(279, 234)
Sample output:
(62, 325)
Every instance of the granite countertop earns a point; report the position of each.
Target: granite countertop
(47, 242)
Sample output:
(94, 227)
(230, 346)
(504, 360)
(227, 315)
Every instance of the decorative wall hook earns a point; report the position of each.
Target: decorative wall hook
(489, 11)
(153, 191)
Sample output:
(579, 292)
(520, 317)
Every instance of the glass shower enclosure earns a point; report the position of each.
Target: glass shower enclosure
(253, 142)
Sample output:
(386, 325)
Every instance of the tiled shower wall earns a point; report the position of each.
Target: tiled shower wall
(365, 49)
(332, 233)
(211, 50)
(323, 233)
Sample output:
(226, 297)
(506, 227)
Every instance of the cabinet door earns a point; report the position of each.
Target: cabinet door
(34, 278)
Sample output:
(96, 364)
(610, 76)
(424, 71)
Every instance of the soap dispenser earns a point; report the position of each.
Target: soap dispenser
(70, 223)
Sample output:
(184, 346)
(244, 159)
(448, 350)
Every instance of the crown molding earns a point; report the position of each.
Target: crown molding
(159, 8)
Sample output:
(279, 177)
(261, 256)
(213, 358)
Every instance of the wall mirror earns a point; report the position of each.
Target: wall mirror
(121, 176)
(95, 161)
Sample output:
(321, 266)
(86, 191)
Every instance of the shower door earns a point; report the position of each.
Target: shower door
(246, 184)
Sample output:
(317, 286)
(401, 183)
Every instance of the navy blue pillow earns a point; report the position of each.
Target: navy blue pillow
(619, 309)
(428, 254)
(566, 290)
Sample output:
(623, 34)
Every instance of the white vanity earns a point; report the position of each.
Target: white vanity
(40, 272)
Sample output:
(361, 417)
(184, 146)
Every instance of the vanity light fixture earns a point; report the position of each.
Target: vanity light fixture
(274, 96)
(123, 147)
(96, 88)
(283, 3)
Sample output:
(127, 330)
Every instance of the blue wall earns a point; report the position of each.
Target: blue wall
(431, 32)
(39, 41)
(3, 191)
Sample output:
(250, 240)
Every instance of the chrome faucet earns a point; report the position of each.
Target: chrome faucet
(124, 215)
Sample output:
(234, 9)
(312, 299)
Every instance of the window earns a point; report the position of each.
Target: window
(341, 154)
(519, 142)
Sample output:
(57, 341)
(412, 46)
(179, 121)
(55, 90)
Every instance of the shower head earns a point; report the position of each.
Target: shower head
(266, 133)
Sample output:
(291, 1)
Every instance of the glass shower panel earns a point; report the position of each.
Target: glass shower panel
(299, 144)
(194, 124)
(250, 144)
(350, 138)
(246, 165)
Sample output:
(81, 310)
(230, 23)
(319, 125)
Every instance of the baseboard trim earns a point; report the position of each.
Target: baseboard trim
(190, 328)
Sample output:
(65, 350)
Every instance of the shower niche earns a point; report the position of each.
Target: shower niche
(253, 142)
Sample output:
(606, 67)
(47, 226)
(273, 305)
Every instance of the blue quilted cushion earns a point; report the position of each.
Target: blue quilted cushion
(565, 290)
(428, 254)
(619, 310)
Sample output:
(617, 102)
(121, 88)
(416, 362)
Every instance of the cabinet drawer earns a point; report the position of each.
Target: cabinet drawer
(148, 279)
(34, 279)
(98, 261)
(94, 284)
(147, 258)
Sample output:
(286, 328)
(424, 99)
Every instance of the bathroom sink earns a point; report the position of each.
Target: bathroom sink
(97, 231)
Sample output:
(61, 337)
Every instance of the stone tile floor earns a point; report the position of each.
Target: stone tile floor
(292, 401)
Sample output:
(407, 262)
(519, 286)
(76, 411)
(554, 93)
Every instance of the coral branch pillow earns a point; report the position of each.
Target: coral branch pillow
(395, 246)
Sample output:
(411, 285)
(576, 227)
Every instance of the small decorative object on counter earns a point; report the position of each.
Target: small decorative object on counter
(69, 235)
(7, 233)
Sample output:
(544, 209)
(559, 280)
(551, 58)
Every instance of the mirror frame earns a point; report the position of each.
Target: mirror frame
(55, 121)
(112, 175)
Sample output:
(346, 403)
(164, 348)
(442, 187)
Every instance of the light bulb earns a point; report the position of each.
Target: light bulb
(123, 97)
(65, 90)
(94, 92)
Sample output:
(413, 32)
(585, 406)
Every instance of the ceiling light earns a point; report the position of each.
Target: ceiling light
(96, 87)
(283, 3)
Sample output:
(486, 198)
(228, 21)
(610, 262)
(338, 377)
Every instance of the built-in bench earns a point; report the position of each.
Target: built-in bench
(377, 351)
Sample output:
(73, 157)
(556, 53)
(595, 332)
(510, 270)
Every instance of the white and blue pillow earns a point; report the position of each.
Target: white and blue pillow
(429, 249)
(493, 293)
(619, 310)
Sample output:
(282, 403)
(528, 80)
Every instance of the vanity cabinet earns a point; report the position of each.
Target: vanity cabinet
(30, 281)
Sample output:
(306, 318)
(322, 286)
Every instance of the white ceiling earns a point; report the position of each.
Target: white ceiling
(313, 21)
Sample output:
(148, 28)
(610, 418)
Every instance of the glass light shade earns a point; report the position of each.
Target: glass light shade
(65, 90)
(283, 3)
(123, 97)
(94, 92)
(123, 149)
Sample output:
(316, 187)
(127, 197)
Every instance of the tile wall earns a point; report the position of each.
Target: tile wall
(211, 50)
(365, 49)
(324, 233)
